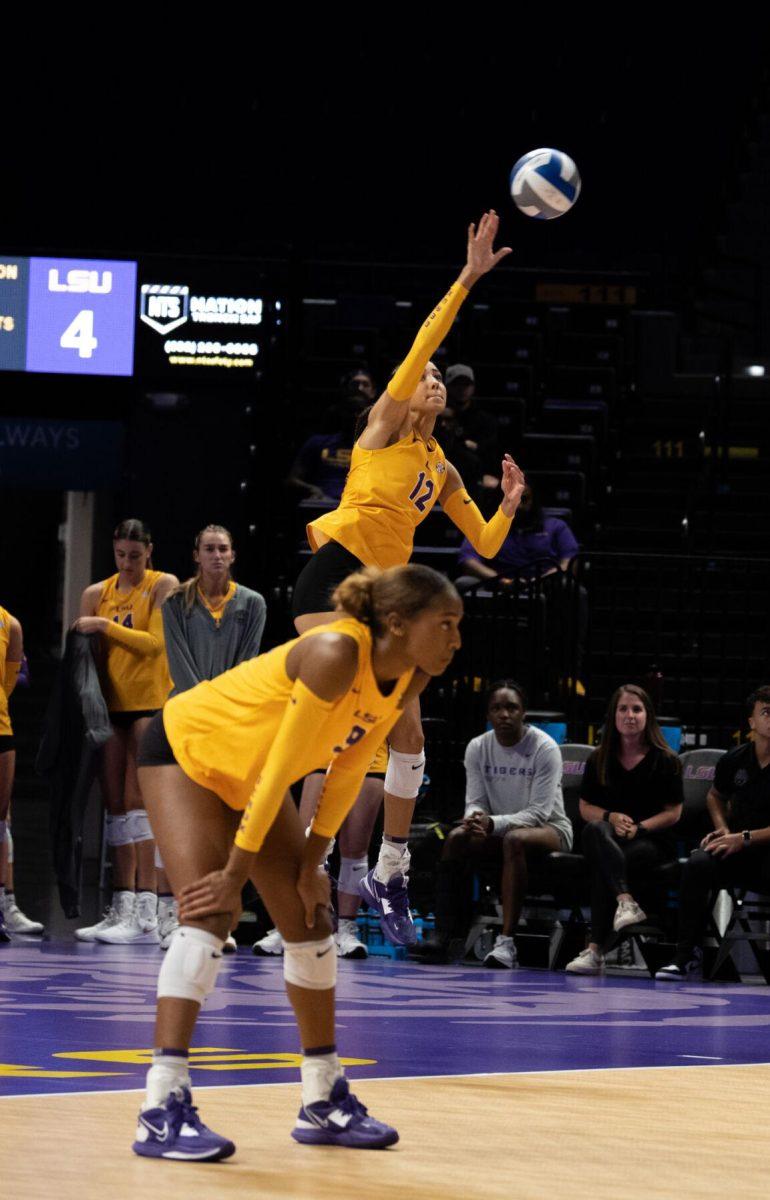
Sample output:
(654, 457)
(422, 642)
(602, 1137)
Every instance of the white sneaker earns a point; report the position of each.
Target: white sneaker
(15, 921)
(122, 905)
(588, 962)
(230, 945)
(349, 944)
(271, 943)
(137, 927)
(628, 912)
(503, 954)
(168, 922)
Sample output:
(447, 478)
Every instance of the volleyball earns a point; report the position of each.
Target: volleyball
(545, 184)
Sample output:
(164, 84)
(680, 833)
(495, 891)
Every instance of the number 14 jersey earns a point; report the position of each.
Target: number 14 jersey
(387, 494)
(134, 682)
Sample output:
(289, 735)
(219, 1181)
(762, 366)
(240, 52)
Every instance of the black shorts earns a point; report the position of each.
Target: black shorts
(320, 576)
(155, 748)
(124, 720)
(7, 743)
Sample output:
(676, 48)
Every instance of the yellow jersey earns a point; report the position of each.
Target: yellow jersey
(134, 681)
(387, 494)
(6, 730)
(223, 730)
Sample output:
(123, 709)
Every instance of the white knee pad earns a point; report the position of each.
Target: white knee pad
(118, 830)
(139, 824)
(404, 774)
(9, 844)
(352, 871)
(191, 965)
(158, 860)
(310, 964)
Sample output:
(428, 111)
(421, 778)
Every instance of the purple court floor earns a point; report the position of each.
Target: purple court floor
(79, 1018)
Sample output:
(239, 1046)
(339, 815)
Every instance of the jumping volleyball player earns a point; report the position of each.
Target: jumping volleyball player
(397, 473)
(228, 751)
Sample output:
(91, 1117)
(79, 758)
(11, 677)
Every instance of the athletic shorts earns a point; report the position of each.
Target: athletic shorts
(124, 720)
(155, 748)
(7, 743)
(320, 576)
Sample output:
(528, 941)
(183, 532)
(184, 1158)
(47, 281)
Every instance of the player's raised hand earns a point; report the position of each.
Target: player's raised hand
(482, 256)
(513, 484)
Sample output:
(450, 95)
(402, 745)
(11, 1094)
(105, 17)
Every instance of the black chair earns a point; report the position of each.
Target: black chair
(748, 908)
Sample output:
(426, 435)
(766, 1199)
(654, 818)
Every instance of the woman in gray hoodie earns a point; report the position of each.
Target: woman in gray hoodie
(210, 623)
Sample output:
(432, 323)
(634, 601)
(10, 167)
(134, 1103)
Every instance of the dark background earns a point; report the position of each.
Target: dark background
(311, 143)
(383, 145)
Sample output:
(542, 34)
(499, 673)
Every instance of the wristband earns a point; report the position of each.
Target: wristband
(606, 815)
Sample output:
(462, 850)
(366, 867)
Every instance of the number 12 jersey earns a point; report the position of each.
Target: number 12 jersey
(387, 494)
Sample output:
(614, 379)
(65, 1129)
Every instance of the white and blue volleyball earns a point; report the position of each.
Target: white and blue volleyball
(545, 184)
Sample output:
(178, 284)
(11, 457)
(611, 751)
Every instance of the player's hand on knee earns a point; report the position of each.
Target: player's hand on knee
(314, 890)
(214, 895)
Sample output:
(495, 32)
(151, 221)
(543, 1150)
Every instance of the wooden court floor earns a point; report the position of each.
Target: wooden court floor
(672, 1133)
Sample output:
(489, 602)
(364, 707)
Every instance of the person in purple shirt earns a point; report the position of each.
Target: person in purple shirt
(535, 545)
(322, 462)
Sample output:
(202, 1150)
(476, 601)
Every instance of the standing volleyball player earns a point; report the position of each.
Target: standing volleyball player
(12, 920)
(211, 623)
(397, 473)
(125, 610)
(217, 764)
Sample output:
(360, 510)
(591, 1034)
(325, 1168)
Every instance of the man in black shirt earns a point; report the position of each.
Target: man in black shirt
(737, 851)
(479, 428)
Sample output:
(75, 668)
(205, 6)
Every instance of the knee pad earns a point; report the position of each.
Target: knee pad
(404, 774)
(9, 844)
(158, 860)
(191, 965)
(352, 871)
(139, 825)
(118, 830)
(4, 831)
(310, 964)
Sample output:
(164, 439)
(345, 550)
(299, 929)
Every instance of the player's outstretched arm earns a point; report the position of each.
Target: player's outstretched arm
(387, 415)
(486, 537)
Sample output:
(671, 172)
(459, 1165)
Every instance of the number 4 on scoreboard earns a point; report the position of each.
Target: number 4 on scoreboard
(79, 334)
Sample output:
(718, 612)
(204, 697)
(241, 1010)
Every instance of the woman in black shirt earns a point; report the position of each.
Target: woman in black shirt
(630, 798)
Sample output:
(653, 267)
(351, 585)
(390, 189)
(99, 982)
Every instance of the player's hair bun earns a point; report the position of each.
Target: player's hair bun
(355, 594)
(370, 594)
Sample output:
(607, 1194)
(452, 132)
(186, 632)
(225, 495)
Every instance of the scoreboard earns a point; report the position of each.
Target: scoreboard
(101, 317)
(67, 316)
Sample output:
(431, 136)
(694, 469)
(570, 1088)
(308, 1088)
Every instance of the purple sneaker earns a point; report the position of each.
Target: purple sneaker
(341, 1121)
(391, 901)
(174, 1130)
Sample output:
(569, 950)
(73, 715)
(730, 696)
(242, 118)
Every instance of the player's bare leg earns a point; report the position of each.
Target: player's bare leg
(385, 888)
(194, 830)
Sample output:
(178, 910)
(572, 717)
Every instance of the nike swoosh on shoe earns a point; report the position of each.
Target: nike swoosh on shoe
(159, 1133)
